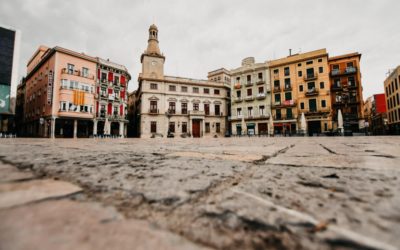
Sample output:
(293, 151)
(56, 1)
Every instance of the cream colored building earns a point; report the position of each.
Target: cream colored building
(175, 105)
(250, 98)
(392, 95)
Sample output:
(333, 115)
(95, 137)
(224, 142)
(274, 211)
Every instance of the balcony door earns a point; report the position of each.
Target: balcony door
(312, 105)
(196, 128)
(310, 73)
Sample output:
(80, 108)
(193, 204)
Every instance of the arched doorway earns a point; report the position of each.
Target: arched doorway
(100, 128)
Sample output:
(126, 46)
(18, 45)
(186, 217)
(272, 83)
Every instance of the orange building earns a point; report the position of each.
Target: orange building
(346, 91)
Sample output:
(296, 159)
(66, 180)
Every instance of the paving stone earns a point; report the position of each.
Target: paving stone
(17, 193)
(10, 173)
(66, 225)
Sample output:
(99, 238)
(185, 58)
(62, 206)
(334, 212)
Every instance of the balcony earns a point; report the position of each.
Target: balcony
(346, 71)
(277, 104)
(261, 96)
(153, 111)
(288, 88)
(76, 73)
(238, 99)
(277, 88)
(196, 112)
(310, 77)
(248, 84)
(312, 92)
(289, 103)
(260, 82)
(351, 85)
(249, 98)
(337, 87)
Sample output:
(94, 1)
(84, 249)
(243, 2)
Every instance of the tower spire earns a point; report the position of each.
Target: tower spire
(152, 46)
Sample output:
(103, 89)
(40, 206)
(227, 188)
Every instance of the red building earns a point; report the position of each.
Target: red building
(379, 121)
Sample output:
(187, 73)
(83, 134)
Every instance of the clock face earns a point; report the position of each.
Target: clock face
(153, 63)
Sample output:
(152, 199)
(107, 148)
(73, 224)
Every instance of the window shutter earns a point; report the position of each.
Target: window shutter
(98, 74)
(121, 109)
(109, 111)
(123, 80)
(110, 76)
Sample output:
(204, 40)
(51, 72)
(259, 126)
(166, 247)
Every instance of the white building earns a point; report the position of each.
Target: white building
(175, 105)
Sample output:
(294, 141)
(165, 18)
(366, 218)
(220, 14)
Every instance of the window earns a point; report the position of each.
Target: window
(312, 105)
(310, 73)
(70, 68)
(195, 106)
(239, 111)
(85, 72)
(309, 62)
(153, 86)
(184, 89)
(172, 88)
(218, 127)
(262, 110)
(349, 65)
(261, 90)
(248, 78)
(351, 81)
(217, 109)
(300, 73)
(249, 111)
(289, 114)
(216, 91)
(207, 108)
(323, 103)
(299, 65)
(238, 93)
(286, 71)
(260, 76)
(301, 88)
(288, 96)
(171, 127)
(171, 108)
(302, 105)
(63, 106)
(184, 108)
(321, 70)
(311, 86)
(195, 90)
(206, 91)
(238, 79)
(320, 60)
(249, 92)
(103, 77)
(115, 110)
(153, 107)
(321, 85)
(207, 127)
(184, 127)
(287, 83)
(278, 114)
(276, 84)
(276, 71)
(277, 98)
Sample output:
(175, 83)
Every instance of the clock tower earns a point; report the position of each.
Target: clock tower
(152, 60)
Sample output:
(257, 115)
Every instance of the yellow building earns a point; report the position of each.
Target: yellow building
(392, 94)
(300, 84)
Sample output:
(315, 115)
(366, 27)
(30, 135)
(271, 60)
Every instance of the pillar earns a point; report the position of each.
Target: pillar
(53, 128)
(94, 127)
(121, 129)
(203, 128)
(75, 128)
(189, 129)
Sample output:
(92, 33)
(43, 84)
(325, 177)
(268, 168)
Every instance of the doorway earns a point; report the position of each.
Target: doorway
(196, 128)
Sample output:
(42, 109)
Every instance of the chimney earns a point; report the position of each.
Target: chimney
(290, 52)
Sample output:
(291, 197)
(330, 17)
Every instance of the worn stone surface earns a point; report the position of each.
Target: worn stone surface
(9, 173)
(80, 225)
(13, 194)
(237, 193)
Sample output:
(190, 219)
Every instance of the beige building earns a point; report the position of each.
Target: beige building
(300, 84)
(250, 98)
(175, 105)
(392, 92)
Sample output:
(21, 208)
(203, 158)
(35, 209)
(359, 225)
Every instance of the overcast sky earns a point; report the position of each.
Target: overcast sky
(200, 36)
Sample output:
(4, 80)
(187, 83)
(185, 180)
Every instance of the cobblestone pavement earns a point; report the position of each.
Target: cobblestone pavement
(224, 193)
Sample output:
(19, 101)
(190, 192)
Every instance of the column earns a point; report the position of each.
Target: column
(121, 129)
(94, 127)
(75, 128)
(46, 129)
(203, 128)
(53, 128)
(190, 127)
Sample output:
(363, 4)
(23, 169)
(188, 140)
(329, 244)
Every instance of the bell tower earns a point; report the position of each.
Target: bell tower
(152, 59)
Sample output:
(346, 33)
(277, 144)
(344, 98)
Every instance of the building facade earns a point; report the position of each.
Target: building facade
(392, 92)
(62, 94)
(375, 115)
(346, 91)
(300, 84)
(250, 98)
(9, 59)
(176, 106)
(111, 117)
